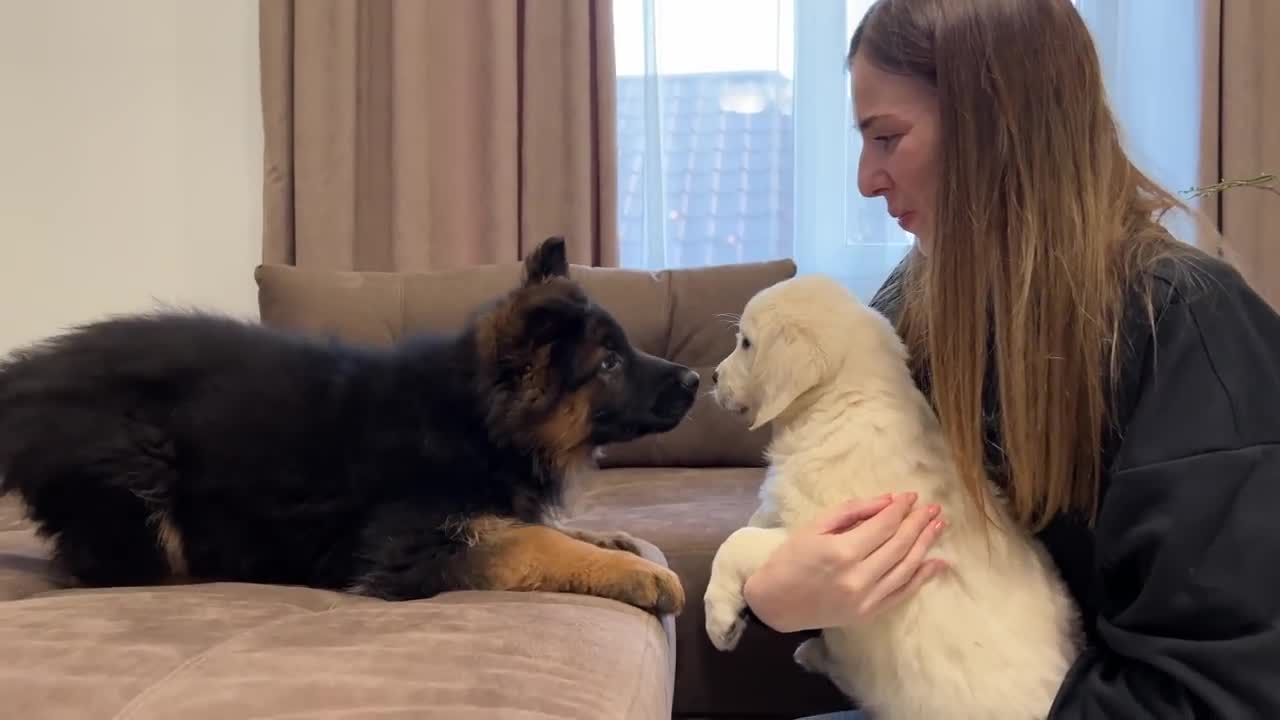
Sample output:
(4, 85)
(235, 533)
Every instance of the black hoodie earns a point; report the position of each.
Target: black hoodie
(1179, 578)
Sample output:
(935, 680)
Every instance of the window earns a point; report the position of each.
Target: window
(735, 137)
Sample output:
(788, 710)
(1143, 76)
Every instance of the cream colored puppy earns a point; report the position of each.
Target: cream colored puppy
(989, 639)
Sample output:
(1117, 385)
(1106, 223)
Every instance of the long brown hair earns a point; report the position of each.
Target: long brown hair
(1043, 230)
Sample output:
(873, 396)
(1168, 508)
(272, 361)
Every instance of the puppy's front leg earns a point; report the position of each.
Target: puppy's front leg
(607, 539)
(737, 558)
(514, 556)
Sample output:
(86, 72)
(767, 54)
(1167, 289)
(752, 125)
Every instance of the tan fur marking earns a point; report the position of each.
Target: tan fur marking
(566, 432)
(470, 530)
(522, 557)
(538, 377)
(170, 542)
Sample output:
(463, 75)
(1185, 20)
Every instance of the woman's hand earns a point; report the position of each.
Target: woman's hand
(850, 564)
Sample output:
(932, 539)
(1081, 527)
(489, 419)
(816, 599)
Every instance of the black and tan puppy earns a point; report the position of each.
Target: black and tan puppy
(188, 445)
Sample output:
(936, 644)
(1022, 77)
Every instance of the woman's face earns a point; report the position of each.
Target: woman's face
(901, 145)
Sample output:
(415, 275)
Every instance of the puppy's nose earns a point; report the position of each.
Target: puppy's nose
(689, 380)
(715, 377)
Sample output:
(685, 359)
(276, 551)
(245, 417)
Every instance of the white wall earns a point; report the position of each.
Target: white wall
(130, 159)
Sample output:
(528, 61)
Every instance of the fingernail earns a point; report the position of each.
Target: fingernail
(940, 525)
(934, 509)
(911, 497)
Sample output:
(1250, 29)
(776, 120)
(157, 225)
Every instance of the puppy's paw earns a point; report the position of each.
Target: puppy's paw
(812, 656)
(644, 584)
(657, 590)
(724, 621)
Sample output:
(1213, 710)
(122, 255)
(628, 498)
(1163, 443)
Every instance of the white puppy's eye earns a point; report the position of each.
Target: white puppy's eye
(745, 342)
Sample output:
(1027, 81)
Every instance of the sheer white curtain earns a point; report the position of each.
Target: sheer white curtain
(736, 140)
(1154, 59)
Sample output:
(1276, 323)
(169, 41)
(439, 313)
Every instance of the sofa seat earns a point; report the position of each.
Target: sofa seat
(230, 650)
(687, 513)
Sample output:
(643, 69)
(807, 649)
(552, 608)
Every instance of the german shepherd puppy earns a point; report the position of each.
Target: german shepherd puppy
(181, 445)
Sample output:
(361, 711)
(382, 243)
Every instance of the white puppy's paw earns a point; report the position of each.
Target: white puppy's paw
(812, 656)
(724, 617)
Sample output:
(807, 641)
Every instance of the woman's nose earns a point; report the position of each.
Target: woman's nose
(873, 181)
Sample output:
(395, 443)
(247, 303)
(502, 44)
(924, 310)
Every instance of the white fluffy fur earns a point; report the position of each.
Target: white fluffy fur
(991, 638)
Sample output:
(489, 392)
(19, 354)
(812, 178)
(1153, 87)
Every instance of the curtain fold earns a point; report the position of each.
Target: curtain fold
(416, 134)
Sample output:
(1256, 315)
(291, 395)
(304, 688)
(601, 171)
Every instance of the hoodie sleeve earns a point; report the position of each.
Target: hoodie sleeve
(1188, 533)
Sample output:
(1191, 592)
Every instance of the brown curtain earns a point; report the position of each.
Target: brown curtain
(1248, 109)
(415, 134)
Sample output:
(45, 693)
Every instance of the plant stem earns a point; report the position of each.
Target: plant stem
(1266, 181)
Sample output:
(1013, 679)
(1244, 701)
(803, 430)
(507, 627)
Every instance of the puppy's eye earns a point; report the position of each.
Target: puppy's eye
(745, 342)
(610, 362)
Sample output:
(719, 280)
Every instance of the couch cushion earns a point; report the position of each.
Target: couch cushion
(228, 650)
(683, 315)
(687, 513)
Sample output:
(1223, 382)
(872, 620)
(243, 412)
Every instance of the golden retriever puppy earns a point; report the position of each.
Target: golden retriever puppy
(990, 639)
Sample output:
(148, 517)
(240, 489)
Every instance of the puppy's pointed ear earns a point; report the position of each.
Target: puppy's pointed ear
(546, 261)
(786, 365)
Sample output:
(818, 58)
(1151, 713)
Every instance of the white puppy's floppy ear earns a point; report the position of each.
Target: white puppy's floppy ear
(787, 364)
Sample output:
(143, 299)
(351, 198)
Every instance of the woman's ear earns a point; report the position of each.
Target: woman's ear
(786, 365)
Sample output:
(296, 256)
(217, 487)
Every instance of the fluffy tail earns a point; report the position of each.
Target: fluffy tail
(54, 412)
(70, 397)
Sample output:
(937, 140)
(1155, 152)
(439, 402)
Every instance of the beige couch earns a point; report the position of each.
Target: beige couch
(230, 650)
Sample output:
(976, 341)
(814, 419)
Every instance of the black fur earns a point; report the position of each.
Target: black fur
(282, 458)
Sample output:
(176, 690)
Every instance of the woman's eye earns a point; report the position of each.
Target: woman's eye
(886, 139)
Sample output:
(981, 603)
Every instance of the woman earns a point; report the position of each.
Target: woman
(1135, 422)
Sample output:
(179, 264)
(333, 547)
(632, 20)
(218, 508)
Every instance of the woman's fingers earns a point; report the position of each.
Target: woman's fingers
(848, 514)
(905, 539)
(875, 531)
(897, 582)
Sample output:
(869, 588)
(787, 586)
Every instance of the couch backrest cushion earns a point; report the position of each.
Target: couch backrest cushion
(684, 315)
